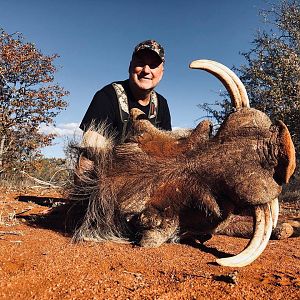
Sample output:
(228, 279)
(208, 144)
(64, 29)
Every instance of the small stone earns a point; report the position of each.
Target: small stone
(231, 278)
(282, 231)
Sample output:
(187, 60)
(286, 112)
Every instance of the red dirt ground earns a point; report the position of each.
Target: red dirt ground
(38, 263)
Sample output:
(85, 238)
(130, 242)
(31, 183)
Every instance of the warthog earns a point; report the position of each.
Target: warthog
(160, 186)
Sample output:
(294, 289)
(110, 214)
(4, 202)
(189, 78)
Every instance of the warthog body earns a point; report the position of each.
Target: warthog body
(158, 187)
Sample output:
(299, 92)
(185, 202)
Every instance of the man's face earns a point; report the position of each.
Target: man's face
(146, 70)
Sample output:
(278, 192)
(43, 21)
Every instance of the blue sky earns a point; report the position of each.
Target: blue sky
(95, 40)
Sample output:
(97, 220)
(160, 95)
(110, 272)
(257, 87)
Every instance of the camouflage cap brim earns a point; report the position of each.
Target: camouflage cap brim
(151, 45)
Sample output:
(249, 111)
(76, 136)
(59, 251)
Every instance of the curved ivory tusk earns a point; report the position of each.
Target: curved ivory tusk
(233, 84)
(275, 211)
(259, 241)
(223, 77)
(238, 82)
(259, 225)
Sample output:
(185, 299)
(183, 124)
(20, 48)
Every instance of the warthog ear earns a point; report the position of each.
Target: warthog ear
(286, 155)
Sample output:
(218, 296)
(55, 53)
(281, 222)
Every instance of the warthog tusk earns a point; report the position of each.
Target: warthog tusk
(275, 211)
(259, 241)
(230, 80)
(238, 82)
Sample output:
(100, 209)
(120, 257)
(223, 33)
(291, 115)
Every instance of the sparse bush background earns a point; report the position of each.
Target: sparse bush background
(28, 98)
(52, 171)
(291, 192)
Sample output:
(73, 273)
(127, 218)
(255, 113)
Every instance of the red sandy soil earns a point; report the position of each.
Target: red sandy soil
(39, 263)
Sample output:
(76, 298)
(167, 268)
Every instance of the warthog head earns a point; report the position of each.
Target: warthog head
(160, 187)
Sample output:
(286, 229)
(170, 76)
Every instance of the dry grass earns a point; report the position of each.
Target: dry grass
(8, 218)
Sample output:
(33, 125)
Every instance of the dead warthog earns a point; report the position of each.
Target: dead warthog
(160, 187)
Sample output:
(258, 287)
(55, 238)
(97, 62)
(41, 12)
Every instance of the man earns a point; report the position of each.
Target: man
(113, 102)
